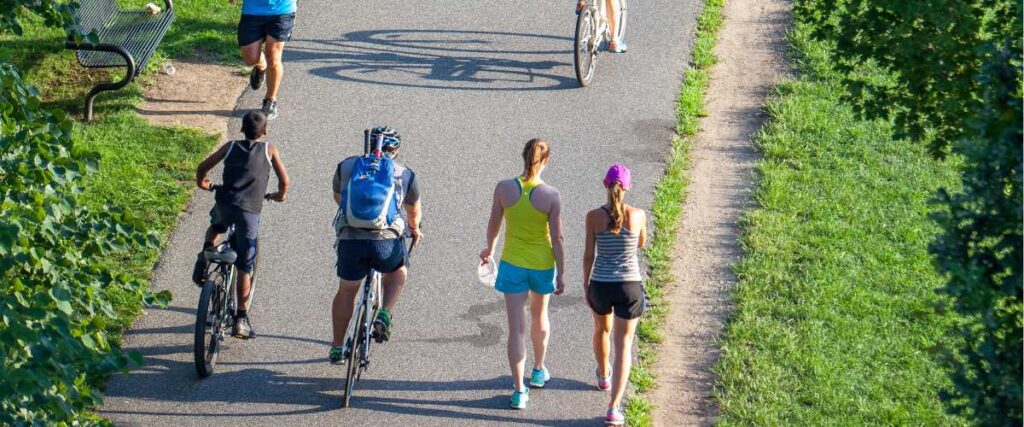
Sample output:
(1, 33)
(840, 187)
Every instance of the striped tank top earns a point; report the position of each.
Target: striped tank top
(617, 257)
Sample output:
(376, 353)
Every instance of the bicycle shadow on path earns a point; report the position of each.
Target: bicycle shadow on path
(441, 59)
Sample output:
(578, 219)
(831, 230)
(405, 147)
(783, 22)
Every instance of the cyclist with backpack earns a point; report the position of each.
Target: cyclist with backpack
(531, 262)
(378, 203)
(247, 165)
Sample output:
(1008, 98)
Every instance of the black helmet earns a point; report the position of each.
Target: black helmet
(392, 140)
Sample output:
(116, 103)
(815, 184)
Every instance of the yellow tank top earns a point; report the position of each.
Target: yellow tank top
(527, 238)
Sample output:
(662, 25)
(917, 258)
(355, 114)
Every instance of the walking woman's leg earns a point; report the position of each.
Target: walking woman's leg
(515, 306)
(624, 329)
(540, 327)
(602, 343)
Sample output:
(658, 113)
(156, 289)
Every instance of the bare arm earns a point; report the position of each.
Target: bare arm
(588, 252)
(209, 163)
(643, 228)
(415, 213)
(493, 225)
(557, 241)
(282, 175)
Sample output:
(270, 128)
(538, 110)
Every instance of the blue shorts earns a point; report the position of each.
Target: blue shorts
(254, 28)
(357, 257)
(247, 228)
(515, 280)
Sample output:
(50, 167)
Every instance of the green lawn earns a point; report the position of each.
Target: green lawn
(144, 169)
(835, 319)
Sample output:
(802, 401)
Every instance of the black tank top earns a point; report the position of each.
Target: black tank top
(246, 173)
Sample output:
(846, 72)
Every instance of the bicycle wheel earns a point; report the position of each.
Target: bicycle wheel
(621, 22)
(358, 332)
(585, 46)
(206, 344)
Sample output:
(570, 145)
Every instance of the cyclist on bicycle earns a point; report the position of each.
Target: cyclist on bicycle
(383, 250)
(615, 45)
(240, 198)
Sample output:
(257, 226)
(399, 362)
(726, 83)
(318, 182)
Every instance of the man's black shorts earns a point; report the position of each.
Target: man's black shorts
(626, 299)
(357, 257)
(254, 28)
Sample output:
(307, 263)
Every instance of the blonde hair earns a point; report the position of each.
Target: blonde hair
(534, 154)
(616, 206)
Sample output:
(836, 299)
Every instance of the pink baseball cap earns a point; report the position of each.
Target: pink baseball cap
(617, 173)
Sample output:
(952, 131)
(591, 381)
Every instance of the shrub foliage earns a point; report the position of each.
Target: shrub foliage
(55, 295)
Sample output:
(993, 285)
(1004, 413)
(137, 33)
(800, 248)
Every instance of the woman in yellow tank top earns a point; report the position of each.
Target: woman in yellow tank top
(531, 262)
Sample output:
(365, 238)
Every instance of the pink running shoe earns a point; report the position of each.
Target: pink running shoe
(614, 417)
(604, 383)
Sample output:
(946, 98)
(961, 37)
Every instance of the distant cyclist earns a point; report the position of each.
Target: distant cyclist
(247, 165)
(531, 262)
(613, 284)
(361, 247)
(263, 29)
(612, 7)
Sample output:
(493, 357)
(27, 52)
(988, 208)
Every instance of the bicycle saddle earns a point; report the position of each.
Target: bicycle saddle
(222, 254)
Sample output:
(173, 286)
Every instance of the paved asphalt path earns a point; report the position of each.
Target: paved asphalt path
(467, 84)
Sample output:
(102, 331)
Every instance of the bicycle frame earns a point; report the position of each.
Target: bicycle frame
(370, 298)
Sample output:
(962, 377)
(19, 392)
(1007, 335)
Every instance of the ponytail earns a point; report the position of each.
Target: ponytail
(535, 152)
(616, 207)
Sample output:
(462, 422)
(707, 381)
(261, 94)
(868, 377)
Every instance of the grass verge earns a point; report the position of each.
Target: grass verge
(834, 318)
(667, 208)
(144, 169)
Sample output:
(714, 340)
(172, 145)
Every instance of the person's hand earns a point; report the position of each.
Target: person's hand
(278, 197)
(416, 234)
(485, 256)
(559, 285)
(204, 184)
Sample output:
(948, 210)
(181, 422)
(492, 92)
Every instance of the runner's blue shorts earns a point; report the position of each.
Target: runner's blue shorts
(515, 280)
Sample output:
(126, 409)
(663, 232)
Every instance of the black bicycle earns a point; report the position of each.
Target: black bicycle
(217, 301)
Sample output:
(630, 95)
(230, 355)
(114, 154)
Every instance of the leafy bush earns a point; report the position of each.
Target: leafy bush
(55, 296)
(981, 251)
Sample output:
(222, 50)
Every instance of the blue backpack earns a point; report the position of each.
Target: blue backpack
(369, 201)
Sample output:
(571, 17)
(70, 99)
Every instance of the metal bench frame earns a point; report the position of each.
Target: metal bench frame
(90, 60)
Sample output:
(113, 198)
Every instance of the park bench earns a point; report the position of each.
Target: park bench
(125, 38)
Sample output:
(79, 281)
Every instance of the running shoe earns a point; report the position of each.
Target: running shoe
(539, 377)
(199, 271)
(270, 108)
(614, 417)
(382, 325)
(519, 399)
(338, 355)
(242, 329)
(257, 77)
(604, 383)
(617, 46)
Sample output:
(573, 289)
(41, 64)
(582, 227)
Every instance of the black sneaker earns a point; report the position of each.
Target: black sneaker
(270, 108)
(257, 77)
(199, 271)
(242, 329)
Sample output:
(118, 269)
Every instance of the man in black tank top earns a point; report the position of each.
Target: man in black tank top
(247, 165)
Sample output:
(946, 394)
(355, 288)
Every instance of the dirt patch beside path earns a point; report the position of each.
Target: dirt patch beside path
(751, 52)
(197, 95)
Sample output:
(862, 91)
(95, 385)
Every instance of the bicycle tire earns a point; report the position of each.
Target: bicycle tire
(584, 56)
(354, 360)
(205, 352)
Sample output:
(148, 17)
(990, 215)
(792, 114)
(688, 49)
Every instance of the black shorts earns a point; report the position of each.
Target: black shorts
(626, 299)
(247, 228)
(254, 28)
(357, 257)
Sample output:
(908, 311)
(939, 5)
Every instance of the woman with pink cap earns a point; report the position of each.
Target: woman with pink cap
(613, 284)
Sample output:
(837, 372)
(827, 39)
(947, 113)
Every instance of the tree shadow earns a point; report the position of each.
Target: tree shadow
(441, 59)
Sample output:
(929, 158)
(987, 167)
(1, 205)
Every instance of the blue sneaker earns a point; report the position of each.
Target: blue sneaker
(519, 399)
(539, 377)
